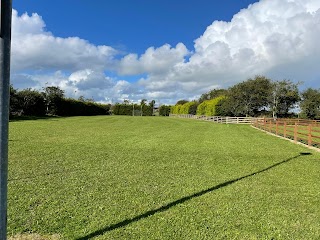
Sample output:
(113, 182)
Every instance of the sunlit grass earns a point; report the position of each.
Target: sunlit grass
(159, 178)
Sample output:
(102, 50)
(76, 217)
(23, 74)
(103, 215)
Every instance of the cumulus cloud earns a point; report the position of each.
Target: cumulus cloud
(154, 60)
(277, 38)
(40, 59)
(35, 48)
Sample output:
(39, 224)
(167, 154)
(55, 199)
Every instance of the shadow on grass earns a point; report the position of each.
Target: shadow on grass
(25, 118)
(182, 200)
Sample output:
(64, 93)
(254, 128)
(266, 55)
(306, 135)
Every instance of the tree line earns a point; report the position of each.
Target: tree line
(52, 101)
(134, 109)
(258, 96)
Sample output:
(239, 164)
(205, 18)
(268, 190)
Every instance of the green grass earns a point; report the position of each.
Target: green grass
(159, 178)
(302, 133)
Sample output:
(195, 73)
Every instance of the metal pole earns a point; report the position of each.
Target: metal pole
(5, 46)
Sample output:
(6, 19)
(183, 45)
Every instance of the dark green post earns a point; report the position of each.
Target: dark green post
(5, 51)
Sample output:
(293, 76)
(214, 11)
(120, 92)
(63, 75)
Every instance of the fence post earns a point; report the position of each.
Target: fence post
(295, 137)
(309, 135)
(260, 124)
(264, 123)
(285, 128)
(277, 126)
(270, 126)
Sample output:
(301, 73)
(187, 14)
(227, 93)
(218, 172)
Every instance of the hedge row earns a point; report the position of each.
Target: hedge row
(51, 101)
(72, 107)
(136, 109)
(187, 108)
(210, 107)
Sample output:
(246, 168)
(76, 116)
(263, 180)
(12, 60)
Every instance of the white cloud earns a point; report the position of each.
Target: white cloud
(87, 79)
(278, 38)
(154, 60)
(35, 48)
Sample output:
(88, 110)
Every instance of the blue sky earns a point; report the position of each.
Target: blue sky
(132, 26)
(163, 50)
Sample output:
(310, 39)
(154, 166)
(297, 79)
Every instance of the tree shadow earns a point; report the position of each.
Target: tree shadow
(181, 200)
(26, 118)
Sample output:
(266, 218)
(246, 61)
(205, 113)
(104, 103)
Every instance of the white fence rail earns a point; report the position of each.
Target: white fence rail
(218, 119)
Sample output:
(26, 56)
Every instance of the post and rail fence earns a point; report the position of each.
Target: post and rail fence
(217, 119)
(298, 130)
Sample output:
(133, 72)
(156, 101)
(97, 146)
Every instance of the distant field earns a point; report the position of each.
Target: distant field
(159, 178)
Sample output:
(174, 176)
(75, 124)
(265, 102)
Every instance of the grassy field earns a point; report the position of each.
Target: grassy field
(159, 178)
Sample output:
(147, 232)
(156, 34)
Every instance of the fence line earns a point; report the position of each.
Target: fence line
(218, 119)
(298, 130)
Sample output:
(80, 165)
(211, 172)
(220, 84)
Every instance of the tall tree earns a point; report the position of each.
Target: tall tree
(143, 101)
(151, 104)
(31, 102)
(310, 104)
(164, 110)
(142, 106)
(53, 96)
(249, 97)
(284, 97)
(14, 102)
(213, 94)
(126, 102)
(181, 102)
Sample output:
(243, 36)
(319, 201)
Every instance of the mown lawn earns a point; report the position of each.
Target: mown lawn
(159, 178)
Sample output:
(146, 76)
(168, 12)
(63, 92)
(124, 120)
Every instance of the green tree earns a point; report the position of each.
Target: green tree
(284, 97)
(143, 101)
(213, 94)
(249, 97)
(14, 102)
(31, 102)
(310, 104)
(164, 110)
(142, 106)
(181, 102)
(188, 108)
(152, 104)
(126, 102)
(53, 96)
(209, 107)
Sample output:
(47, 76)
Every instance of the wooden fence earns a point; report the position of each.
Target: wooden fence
(218, 119)
(298, 130)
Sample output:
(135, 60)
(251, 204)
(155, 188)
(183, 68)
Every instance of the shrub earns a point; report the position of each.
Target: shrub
(209, 107)
(164, 110)
(176, 109)
(72, 107)
(187, 108)
(201, 109)
(30, 103)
